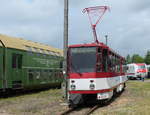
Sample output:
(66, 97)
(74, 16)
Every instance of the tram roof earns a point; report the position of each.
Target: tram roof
(19, 43)
(89, 45)
(100, 44)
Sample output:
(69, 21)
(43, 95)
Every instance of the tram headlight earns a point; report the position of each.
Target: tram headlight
(73, 87)
(92, 86)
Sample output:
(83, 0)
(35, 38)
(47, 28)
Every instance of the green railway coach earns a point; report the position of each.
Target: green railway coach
(28, 65)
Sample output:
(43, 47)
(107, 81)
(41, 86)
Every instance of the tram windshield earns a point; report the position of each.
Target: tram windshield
(82, 59)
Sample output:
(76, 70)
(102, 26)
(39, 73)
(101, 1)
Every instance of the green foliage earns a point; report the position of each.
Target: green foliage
(137, 59)
(128, 59)
(147, 58)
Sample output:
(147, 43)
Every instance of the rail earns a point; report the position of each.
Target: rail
(88, 112)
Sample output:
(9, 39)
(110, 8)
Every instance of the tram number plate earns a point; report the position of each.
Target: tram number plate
(101, 96)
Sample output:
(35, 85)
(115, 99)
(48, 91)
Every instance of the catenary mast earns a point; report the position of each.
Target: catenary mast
(66, 10)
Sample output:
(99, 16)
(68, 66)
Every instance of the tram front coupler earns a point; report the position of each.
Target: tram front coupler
(74, 100)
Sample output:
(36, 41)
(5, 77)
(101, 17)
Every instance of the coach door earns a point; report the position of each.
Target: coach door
(17, 70)
(1, 66)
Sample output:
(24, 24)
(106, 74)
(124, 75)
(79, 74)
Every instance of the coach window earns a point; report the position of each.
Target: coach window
(38, 52)
(50, 53)
(42, 51)
(35, 50)
(54, 55)
(31, 75)
(16, 61)
(47, 52)
(29, 49)
(58, 54)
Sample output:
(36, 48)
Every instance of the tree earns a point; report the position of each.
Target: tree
(128, 59)
(147, 58)
(137, 59)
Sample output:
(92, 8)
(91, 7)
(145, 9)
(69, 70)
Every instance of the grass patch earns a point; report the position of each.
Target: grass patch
(137, 96)
(29, 104)
(134, 101)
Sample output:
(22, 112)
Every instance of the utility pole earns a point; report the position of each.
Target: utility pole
(66, 11)
(106, 36)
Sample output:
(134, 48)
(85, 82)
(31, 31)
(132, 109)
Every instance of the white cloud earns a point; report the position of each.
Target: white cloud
(35, 20)
(127, 25)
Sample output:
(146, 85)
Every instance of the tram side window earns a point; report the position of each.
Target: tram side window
(99, 64)
(105, 60)
(118, 65)
(16, 61)
(102, 65)
(113, 63)
(110, 62)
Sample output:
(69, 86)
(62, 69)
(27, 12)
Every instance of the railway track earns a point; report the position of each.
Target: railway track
(91, 110)
(67, 112)
(88, 112)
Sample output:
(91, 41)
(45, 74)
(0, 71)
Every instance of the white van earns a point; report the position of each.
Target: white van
(137, 70)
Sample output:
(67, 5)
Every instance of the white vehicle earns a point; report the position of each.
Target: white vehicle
(148, 68)
(137, 70)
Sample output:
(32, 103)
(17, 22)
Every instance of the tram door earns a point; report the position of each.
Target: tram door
(17, 73)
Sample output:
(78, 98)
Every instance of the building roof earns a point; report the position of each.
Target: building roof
(27, 45)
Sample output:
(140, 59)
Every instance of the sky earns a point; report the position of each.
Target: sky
(127, 24)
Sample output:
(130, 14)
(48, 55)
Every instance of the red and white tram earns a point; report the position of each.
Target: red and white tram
(94, 71)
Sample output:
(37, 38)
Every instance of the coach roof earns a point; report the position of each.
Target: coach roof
(19, 43)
